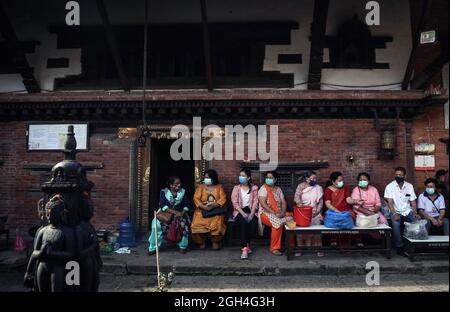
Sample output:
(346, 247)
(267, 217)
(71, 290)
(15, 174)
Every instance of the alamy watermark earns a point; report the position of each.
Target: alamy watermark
(230, 145)
(373, 276)
(73, 14)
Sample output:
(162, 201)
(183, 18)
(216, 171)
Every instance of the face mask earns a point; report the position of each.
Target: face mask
(363, 183)
(312, 183)
(399, 179)
(242, 180)
(269, 181)
(207, 181)
(340, 184)
(430, 190)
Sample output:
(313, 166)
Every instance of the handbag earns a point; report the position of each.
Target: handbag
(213, 212)
(367, 221)
(175, 233)
(164, 216)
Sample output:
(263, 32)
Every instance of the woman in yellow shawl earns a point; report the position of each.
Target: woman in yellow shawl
(209, 215)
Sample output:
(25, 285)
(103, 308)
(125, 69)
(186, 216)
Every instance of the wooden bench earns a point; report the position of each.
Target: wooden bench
(384, 230)
(434, 245)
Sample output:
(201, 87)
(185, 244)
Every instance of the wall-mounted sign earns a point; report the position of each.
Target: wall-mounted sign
(51, 137)
(424, 162)
(424, 149)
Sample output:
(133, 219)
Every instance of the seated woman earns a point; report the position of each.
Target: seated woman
(272, 211)
(369, 197)
(209, 215)
(431, 206)
(309, 193)
(245, 204)
(172, 199)
(337, 197)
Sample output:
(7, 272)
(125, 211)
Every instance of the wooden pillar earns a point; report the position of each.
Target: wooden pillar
(113, 45)
(206, 45)
(409, 151)
(318, 29)
(426, 8)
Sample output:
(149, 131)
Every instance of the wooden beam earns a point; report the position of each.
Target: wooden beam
(426, 8)
(206, 45)
(318, 29)
(113, 45)
(432, 69)
(19, 59)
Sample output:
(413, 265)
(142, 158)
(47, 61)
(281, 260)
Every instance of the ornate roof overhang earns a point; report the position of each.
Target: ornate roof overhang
(222, 104)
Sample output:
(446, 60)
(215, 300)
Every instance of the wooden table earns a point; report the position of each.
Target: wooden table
(383, 229)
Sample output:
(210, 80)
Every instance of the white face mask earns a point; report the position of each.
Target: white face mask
(340, 184)
(207, 181)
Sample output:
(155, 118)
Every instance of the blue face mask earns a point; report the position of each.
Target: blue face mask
(242, 180)
(312, 183)
(269, 181)
(207, 181)
(430, 190)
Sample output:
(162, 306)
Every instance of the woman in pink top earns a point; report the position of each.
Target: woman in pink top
(369, 195)
(309, 193)
(245, 203)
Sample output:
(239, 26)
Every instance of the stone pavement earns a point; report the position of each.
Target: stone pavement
(227, 262)
(261, 263)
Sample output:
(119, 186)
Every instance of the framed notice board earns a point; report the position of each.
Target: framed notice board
(52, 136)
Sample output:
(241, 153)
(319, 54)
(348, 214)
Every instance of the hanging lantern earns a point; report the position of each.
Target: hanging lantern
(388, 140)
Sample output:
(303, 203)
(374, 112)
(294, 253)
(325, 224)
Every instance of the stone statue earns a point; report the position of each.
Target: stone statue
(54, 247)
(69, 235)
(88, 248)
(30, 274)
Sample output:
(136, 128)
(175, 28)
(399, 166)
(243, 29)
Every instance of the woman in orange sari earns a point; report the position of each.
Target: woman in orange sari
(272, 211)
(209, 215)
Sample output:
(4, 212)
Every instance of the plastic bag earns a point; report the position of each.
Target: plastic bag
(338, 220)
(416, 230)
(367, 221)
(19, 246)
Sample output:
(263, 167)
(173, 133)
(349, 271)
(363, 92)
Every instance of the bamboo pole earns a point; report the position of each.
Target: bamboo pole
(157, 251)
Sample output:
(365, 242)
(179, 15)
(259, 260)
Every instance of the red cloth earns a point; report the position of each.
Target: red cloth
(338, 198)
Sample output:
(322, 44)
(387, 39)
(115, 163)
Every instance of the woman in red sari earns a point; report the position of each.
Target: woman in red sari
(337, 197)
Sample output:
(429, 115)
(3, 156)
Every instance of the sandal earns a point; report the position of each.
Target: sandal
(151, 252)
(320, 254)
(276, 252)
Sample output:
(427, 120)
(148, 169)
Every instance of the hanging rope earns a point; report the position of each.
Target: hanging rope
(144, 67)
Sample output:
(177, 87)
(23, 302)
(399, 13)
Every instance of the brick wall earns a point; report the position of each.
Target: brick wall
(332, 141)
(299, 141)
(19, 187)
(429, 127)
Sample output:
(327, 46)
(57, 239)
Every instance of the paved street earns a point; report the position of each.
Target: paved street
(315, 283)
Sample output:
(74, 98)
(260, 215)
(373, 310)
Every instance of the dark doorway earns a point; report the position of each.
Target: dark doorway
(162, 167)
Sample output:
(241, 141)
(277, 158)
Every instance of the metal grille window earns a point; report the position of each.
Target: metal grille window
(285, 180)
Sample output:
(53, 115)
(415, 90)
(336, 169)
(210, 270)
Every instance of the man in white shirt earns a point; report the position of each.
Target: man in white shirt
(401, 200)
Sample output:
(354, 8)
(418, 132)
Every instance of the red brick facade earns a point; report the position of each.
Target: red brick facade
(429, 127)
(19, 188)
(333, 141)
(299, 141)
